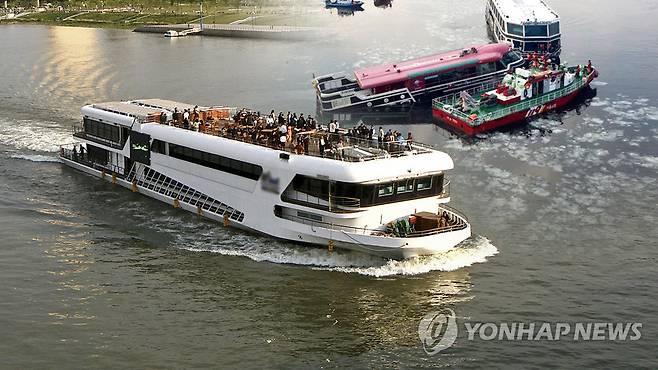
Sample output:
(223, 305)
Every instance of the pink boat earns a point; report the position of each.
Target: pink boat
(408, 82)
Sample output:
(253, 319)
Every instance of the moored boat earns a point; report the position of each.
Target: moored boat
(523, 94)
(305, 184)
(403, 84)
(530, 25)
(344, 3)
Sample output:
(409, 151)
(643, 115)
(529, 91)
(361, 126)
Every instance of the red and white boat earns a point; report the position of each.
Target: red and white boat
(522, 94)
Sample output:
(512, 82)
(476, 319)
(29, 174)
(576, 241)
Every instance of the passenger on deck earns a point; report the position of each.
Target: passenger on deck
(410, 140)
(186, 119)
(321, 145)
(195, 113)
(283, 135)
(301, 122)
(332, 127)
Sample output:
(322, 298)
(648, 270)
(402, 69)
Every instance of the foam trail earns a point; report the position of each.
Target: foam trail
(35, 157)
(33, 135)
(471, 251)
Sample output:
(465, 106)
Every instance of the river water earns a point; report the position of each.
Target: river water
(563, 210)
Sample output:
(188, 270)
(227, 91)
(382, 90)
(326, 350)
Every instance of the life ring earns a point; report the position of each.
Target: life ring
(528, 85)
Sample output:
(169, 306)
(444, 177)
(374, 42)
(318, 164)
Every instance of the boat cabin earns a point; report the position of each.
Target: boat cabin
(438, 69)
(530, 25)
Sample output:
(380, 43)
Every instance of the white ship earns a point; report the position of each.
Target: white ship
(387, 199)
(530, 25)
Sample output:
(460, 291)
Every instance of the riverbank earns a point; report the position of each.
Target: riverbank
(131, 19)
(123, 19)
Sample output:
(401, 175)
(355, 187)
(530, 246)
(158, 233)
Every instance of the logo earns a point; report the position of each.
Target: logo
(438, 331)
(140, 147)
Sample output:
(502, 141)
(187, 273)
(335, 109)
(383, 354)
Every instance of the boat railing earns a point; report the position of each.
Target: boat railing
(446, 190)
(84, 159)
(451, 108)
(445, 207)
(453, 99)
(381, 232)
(341, 146)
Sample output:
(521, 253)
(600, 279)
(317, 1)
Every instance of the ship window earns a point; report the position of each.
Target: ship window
(309, 216)
(465, 73)
(97, 155)
(102, 130)
(535, 30)
(515, 29)
(531, 46)
(448, 77)
(218, 162)
(404, 187)
(158, 146)
(486, 68)
(554, 28)
(385, 190)
(511, 57)
(423, 183)
(313, 187)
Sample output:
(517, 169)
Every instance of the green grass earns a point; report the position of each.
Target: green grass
(225, 18)
(45, 17)
(104, 17)
(165, 19)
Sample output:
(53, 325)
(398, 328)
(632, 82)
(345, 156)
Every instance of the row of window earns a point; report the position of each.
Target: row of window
(540, 30)
(103, 130)
(214, 161)
(529, 30)
(370, 194)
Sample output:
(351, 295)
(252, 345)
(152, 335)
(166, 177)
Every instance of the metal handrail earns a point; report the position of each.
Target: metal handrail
(83, 158)
(453, 210)
(366, 231)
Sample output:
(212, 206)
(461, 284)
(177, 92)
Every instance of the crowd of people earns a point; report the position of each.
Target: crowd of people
(289, 130)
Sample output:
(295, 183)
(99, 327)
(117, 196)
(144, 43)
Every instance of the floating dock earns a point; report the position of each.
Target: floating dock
(238, 30)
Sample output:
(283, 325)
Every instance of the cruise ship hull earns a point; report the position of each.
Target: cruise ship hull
(308, 234)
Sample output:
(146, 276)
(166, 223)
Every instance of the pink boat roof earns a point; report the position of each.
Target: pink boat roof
(391, 73)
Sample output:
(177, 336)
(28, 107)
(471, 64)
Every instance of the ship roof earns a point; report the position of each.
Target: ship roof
(391, 73)
(524, 11)
(127, 109)
(169, 105)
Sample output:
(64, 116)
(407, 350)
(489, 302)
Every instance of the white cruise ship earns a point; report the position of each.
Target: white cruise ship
(530, 25)
(330, 189)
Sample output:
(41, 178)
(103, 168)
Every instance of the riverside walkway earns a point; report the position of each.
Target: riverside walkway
(238, 30)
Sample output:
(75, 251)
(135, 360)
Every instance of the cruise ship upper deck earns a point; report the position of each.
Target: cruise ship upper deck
(305, 137)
